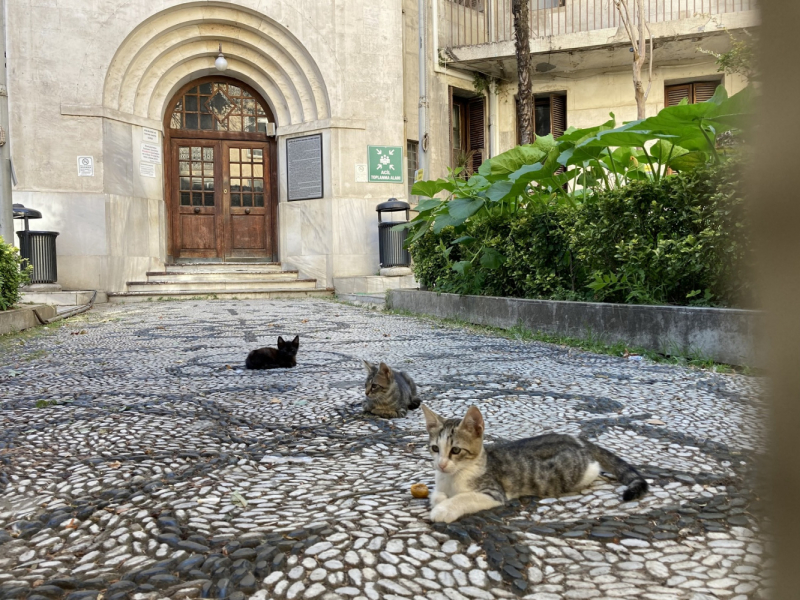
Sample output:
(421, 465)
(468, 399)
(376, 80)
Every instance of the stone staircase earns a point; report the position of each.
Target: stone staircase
(242, 281)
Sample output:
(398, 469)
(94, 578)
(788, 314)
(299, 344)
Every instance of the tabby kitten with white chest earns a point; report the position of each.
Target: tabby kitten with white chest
(470, 477)
(390, 394)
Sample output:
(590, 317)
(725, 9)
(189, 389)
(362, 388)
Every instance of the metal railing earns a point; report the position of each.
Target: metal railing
(471, 22)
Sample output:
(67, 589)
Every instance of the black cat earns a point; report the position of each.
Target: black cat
(270, 358)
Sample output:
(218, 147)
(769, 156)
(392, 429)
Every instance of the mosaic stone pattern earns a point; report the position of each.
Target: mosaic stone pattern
(138, 459)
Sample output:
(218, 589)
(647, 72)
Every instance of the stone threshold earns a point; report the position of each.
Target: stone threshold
(24, 317)
(729, 336)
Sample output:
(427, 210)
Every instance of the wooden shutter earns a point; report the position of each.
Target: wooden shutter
(558, 115)
(477, 131)
(703, 90)
(673, 94)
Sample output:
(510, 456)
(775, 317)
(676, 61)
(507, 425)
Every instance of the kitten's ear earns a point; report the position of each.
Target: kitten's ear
(367, 365)
(296, 341)
(473, 422)
(433, 422)
(281, 343)
(386, 371)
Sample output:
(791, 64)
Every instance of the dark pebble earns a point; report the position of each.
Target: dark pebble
(51, 591)
(15, 591)
(65, 583)
(521, 584)
(193, 546)
(248, 583)
(193, 562)
(601, 534)
(575, 533)
(511, 571)
(170, 539)
(710, 515)
(223, 588)
(635, 535)
(163, 580)
(244, 553)
(5, 537)
(739, 520)
(664, 535)
(82, 595)
(121, 586)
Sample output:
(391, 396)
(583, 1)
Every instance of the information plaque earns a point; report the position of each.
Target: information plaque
(304, 167)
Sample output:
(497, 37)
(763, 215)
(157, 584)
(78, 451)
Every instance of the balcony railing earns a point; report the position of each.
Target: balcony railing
(471, 22)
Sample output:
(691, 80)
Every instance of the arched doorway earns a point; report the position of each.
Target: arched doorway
(220, 173)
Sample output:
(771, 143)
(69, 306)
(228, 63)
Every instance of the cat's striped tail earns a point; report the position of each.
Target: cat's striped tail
(624, 472)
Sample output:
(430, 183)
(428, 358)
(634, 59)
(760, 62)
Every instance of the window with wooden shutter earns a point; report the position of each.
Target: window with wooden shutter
(558, 115)
(477, 131)
(704, 90)
(694, 92)
(549, 114)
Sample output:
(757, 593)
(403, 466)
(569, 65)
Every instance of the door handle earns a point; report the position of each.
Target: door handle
(247, 211)
(197, 210)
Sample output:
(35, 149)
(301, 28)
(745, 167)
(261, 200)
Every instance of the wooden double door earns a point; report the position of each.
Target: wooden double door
(222, 199)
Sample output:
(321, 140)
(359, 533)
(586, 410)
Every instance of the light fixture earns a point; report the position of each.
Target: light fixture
(221, 63)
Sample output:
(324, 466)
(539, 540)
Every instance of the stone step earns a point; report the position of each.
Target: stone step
(275, 294)
(211, 287)
(218, 276)
(228, 267)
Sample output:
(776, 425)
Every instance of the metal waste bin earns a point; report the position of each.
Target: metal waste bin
(37, 247)
(390, 243)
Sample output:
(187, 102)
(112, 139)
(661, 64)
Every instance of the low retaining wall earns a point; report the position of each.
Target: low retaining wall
(22, 318)
(722, 335)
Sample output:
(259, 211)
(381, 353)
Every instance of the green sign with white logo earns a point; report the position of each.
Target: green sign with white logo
(385, 164)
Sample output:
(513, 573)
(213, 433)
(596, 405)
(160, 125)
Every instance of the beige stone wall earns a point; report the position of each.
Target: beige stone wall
(86, 77)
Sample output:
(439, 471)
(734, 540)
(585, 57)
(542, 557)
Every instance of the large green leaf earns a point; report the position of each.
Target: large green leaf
(428, 204)
(445, 220)
(576, 136)
(663, 151)
(635, 134)
(462, 266)
(492, 259)
(430, 188)
(511, 160)
(689, 160)
(462, 209)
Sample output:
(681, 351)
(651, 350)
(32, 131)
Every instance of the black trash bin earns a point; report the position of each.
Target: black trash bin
(390, 242)
(37, 247)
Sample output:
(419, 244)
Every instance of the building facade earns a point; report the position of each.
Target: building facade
(142, 153)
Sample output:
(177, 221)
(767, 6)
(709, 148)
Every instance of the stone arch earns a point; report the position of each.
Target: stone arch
(179, 44)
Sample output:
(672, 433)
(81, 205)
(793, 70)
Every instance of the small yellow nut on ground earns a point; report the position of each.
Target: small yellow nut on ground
(419, 490)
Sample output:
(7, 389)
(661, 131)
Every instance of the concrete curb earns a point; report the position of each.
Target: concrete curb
(19, 319)
(723, 335)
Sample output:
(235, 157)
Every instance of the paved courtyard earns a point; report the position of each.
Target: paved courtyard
(138, 460)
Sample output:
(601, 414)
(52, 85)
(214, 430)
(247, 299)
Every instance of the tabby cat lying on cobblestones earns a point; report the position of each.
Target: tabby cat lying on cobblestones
(270, 358)
(390, 394)
(470, 477)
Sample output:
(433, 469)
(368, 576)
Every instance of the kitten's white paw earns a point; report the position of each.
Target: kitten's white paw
(444, 514)
(438, 498)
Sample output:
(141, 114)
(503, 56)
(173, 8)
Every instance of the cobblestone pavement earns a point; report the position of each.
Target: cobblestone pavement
(138, 460)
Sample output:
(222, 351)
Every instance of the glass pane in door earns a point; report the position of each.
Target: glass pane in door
(196, 172)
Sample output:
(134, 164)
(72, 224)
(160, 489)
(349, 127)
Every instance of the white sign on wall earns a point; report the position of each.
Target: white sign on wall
(151, 153)
(86, 166)
(361, 173)
(149, 135)
(147, 169)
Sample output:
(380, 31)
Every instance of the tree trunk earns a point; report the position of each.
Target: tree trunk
(638, 90)
(519, 9)
(635, 23)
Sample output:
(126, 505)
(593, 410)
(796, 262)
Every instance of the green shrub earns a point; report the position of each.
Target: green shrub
(12, 275)
(678, 240)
